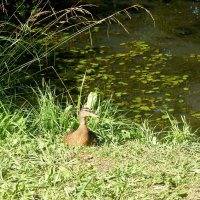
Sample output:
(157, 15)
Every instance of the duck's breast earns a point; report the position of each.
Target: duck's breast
(79, 137)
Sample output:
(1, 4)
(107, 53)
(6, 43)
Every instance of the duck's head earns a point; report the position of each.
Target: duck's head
(86, 112)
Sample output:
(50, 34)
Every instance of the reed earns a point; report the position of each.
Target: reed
(26, 46)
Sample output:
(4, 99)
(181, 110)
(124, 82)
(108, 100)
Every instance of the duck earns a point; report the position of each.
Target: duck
(82, 136)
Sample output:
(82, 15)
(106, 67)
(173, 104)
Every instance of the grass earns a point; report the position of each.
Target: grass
(131, 162)
(38, 168)
(26, 47)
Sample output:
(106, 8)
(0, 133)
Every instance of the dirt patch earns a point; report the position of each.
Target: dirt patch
(193, 194)
(102, 164)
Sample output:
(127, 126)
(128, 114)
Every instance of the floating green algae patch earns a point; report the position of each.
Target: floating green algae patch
(138, 71)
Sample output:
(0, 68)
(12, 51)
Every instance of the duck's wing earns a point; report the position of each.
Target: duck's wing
(67, 136)
(73, 138)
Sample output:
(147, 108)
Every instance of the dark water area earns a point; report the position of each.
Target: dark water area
(150, 70)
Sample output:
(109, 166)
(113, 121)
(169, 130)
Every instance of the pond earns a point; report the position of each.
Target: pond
(150, 70)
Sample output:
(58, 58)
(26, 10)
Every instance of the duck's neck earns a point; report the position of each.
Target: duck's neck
(83, 121)
(83, 129)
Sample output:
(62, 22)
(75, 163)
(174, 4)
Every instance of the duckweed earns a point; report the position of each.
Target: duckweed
(137, 71)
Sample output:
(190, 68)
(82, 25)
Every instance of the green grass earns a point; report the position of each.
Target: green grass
(130, 162)
(43, 168)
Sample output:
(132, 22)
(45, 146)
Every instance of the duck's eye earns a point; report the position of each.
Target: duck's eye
(86, 109)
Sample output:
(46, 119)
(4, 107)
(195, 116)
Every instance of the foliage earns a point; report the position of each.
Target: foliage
(130, 159)
(52, 117)
(42, 168)
(178, 132)
(11, 122)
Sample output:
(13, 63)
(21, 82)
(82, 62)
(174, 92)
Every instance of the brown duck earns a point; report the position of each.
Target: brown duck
(82, 136)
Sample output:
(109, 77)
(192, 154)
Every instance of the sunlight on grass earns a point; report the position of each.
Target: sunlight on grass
(130, 161)
(179, 132)
(40, 168)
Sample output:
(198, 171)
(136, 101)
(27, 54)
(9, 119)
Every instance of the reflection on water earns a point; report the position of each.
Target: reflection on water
(195, 8)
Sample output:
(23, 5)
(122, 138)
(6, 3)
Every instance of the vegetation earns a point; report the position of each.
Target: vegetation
(132, 160)
(146, 82)
(28, 44)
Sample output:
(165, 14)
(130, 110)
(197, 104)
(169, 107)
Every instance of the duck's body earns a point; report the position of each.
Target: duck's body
(81, 136)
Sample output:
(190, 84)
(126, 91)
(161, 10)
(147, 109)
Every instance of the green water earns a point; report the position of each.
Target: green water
(150, 70)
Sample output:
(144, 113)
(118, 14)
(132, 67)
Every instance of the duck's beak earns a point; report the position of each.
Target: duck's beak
(93, 115)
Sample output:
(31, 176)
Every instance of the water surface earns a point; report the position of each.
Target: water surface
(149, 70)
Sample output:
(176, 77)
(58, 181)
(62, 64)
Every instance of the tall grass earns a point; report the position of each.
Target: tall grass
(11, 122)
(23, 47)
(29, 43)
(130, 159)
(178, 132)
(49, 115)
(112, 126)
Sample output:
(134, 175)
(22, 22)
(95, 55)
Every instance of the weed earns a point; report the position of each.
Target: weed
(178, 132)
